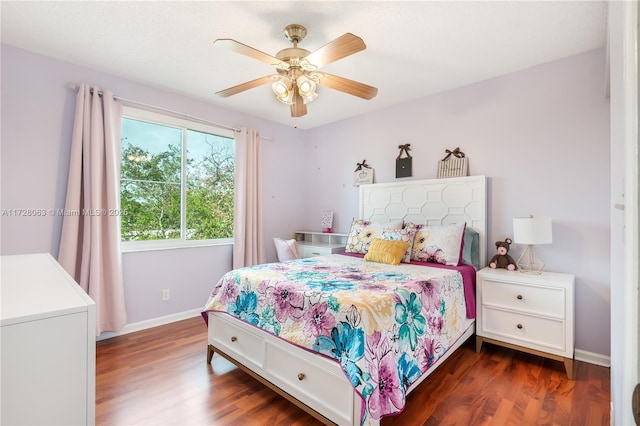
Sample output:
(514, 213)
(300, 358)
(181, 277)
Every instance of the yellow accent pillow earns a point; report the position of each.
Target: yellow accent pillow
(386, 251)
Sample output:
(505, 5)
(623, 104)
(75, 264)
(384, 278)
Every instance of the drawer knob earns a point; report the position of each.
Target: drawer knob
(234, 338)
(519, 326)
(300, 376)
(519, 297)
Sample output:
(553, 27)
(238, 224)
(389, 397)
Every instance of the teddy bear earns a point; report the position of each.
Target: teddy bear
(502, 259)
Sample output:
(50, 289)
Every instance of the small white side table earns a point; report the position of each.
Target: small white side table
(527, 312)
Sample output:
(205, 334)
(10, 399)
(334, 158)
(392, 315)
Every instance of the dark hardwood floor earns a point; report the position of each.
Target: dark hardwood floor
(159, 376)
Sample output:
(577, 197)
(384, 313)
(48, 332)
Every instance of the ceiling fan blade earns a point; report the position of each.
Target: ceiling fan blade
(249, 51)
(345, 85)
(343, 46)
(298, 107)
(245, 86)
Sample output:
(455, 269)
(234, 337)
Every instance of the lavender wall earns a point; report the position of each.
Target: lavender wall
(37, 118)
(541, 136)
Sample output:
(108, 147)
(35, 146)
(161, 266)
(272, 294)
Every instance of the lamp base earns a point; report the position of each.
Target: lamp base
(529, 262)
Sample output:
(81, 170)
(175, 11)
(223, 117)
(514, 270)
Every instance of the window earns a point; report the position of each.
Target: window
(176, 181)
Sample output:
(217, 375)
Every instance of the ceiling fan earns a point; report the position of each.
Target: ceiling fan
(297, 77)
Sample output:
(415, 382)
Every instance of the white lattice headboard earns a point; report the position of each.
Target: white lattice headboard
(432, 202)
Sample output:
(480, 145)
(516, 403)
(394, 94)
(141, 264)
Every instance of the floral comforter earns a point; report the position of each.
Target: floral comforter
(385, 325)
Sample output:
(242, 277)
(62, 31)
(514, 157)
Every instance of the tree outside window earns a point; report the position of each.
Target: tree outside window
(177, 183)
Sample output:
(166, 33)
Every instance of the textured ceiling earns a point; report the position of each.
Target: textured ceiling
(414, 49)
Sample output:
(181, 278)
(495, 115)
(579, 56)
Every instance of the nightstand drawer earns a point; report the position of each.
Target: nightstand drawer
(544, 334)
(524, 298)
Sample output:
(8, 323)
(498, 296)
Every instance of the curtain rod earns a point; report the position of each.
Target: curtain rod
(157, 108)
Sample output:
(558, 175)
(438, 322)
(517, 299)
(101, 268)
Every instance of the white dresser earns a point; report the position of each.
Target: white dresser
(47, 344)
(530, 313)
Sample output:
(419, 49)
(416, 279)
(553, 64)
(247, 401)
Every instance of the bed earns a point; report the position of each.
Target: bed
(347, 337)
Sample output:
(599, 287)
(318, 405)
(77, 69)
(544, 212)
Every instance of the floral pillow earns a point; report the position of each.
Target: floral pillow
(363, 232)
(438, 244)
(401, 235)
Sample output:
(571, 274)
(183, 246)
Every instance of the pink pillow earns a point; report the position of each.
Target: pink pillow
(286, 249)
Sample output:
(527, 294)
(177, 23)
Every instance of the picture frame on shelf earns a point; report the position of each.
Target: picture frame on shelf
(363, 174)
(327, 221)
(454, 164)
(404, 164)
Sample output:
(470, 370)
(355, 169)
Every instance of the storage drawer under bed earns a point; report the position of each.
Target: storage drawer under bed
(314, 380)
(245, 345)
(317, 381)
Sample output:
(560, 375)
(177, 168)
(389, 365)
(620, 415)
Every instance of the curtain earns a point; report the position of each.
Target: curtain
(90, 240)
(248, 240)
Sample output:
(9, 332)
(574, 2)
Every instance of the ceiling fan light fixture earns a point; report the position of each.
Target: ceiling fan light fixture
(306, 88)
(283, 88)
(297, 79)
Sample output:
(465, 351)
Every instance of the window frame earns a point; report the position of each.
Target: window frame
(181, 123)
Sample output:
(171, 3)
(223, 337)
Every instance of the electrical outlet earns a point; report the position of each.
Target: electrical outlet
(166, 295)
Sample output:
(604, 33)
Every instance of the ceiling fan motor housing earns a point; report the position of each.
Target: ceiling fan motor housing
(292, 52)
(295, 33)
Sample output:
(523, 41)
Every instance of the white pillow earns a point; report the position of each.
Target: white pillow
(286, 249)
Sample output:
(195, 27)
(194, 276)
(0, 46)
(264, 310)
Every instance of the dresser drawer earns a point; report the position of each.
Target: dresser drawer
(545, 334)
(524, 298)
(241, 343)
(317, 382)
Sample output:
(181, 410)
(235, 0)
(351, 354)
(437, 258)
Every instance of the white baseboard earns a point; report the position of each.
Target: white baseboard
(593, 358)
(611, 420)
(153, 322)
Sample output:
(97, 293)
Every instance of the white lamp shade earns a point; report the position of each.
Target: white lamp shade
(532, 230)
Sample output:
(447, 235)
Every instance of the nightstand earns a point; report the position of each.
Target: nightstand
(526, 312)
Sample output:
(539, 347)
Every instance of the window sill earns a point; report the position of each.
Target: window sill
(138, 246)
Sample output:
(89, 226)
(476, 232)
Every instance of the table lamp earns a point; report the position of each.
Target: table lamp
(530, 231)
